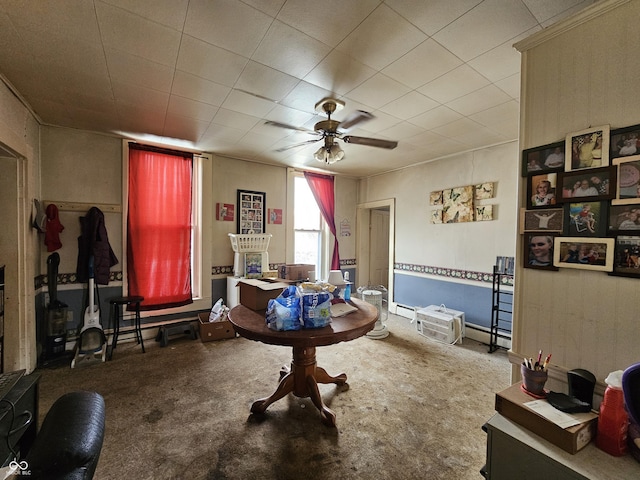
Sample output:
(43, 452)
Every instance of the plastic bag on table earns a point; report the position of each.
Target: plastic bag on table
(316, 310)
(283, 312)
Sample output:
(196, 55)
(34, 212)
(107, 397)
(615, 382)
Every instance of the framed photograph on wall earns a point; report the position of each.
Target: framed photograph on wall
(628, 180)
(547, 220)
(624, 219)
(626, 261)
(588, 184)
(587, 148)
(548, 158)
(538, 248)
(541, 190)
(251, 212)
(625, 141)
(584, 253)
(586, 219)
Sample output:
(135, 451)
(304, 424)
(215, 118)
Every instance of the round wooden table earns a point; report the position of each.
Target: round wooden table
(303, 377)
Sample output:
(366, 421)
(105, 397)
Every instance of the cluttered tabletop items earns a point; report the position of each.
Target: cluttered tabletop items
(570, 421)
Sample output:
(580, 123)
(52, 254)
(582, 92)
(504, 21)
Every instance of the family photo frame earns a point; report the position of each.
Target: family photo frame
(625, 142)
(586, 219)
(547, 220)
(627, 256)
(251, 212)
(539, 248)
(547, 158)
(591, 184)
(587, 148)
(628, 180)
(624, 219)
(541, 190)
(584, 253)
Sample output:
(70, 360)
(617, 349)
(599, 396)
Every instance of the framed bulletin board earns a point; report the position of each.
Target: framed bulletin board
(251, 212)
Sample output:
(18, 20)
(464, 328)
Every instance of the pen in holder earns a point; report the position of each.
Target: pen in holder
(533, 380)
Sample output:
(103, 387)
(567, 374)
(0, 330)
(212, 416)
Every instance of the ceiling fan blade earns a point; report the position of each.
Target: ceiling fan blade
(372, 142)
(289, 147)
(290, 127)
(354, 119)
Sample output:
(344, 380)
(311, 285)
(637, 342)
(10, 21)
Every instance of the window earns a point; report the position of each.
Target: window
(308, 226)
(163, 232)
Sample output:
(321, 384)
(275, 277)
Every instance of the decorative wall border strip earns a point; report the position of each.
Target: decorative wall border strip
(453, 273)
(70, 278)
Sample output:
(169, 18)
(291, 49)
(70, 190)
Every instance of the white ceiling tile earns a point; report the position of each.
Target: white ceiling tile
(270, 7)
(484, 27)
(219, 135)
(233, 119)
(131, 33)
(247, 104)
(339, 73)
(409, 105)
(378, 91)
(510, 85)
(494, 117)
(197, 88)
(380, 123)
(423, 139)
(210, 62)
(186, 107)
(265, 81)
(543, 10)
(132, 94)
(184, 128)
(303, 15)
(454, 84)
(304, 97)
(402, 130)
(427, 61)
(479, 100)
(229, 24)
(289, 50)
(381, 39)
(497, 63)
(468, 132)
(435, 118)
(436, 15)
(170, 13)
(125, 68)
(290, 116)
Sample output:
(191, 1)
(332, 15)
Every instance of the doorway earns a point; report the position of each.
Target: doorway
(375, 249)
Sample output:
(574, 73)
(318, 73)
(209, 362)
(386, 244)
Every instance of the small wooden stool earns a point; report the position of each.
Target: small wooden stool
(116, 316)
(182, 328)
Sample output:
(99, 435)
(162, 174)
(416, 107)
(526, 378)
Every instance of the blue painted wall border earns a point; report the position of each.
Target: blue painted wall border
(474, 301)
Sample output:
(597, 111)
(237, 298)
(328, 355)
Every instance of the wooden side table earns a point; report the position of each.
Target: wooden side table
(303, 377)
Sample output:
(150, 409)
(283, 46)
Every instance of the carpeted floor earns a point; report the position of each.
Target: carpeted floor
(413, 409)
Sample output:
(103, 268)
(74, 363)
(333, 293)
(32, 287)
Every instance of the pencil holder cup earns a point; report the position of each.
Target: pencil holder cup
(533, 380)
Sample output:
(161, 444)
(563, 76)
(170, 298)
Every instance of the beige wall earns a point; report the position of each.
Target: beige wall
(583, 72)
(471, 245)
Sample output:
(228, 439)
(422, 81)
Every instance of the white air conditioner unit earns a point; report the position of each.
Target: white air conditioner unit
(441, 324)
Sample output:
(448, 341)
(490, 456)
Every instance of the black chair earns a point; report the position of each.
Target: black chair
(68, 445)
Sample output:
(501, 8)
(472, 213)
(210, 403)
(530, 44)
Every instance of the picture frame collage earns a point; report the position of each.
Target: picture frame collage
(583, 202)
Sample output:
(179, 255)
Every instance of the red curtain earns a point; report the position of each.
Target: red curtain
(322, 189)
(159, 226)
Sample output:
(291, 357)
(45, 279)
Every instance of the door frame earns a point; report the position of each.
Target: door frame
(363, 223)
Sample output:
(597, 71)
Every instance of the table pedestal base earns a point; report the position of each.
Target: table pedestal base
(302, 380)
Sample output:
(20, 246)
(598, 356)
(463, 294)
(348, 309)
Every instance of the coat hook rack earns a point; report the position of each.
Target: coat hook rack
(84, 207)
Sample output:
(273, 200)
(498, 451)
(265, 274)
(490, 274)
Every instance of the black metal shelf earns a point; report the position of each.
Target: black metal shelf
(501, 311)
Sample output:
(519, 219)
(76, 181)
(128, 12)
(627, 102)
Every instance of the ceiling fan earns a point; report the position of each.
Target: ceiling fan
(331, 130)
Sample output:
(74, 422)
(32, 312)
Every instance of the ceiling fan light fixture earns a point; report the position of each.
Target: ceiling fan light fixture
(330, 154)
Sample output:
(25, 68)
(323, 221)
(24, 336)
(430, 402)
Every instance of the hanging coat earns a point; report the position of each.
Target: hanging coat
(93, 241)
(53, 228)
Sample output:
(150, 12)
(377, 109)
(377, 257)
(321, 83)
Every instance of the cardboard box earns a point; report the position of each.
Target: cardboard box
(256, 293)
(510, 403)
(214, 330)
(296, 271)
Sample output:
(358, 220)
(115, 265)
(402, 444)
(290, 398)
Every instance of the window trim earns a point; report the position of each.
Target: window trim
(200, 213)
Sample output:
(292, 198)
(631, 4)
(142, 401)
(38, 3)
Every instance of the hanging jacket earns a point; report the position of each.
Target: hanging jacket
(53, 229)
(93, 241)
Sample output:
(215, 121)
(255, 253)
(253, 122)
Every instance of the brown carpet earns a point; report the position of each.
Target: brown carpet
(413, 409)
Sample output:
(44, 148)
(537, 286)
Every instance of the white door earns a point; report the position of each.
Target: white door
(379, 244)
